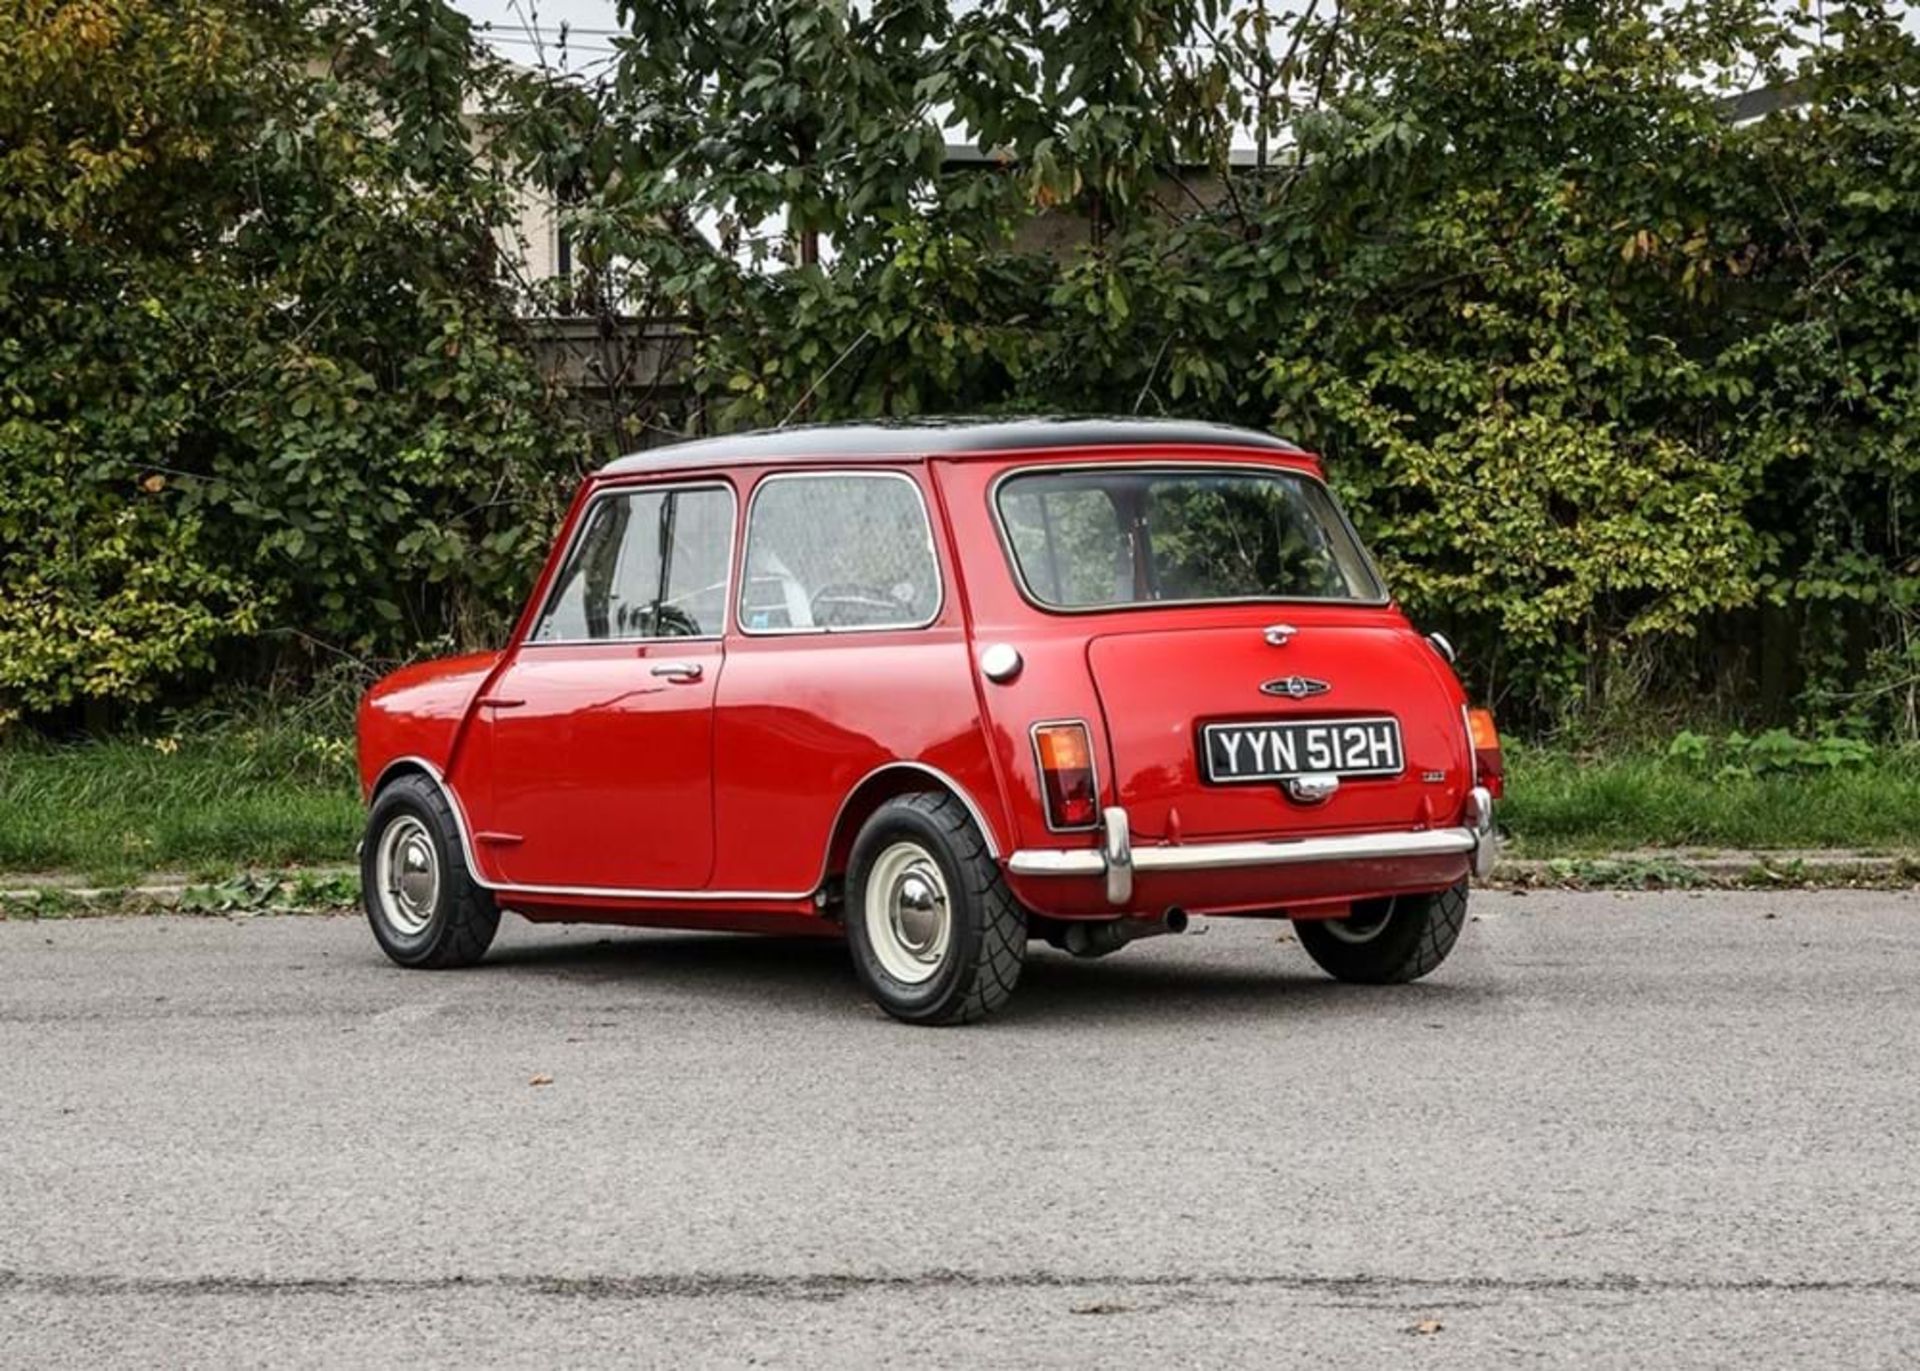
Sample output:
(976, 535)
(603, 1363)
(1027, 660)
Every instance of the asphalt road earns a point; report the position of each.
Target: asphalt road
(1612, 1131)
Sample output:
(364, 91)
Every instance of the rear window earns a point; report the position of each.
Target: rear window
(1095, 537)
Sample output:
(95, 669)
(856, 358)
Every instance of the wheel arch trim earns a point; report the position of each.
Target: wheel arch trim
(412, 765)
(947, 782)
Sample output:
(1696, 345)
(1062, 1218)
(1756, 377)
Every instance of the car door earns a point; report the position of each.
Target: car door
(601, 726)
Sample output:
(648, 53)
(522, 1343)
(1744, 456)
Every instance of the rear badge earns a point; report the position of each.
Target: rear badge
(1294, 687)
(1433, 777)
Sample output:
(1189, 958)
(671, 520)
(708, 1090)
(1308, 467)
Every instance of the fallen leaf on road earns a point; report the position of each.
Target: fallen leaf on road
(1103, 1307)
(1426, 1326)
(540, 1080)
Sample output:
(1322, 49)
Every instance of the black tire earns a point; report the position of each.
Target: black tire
(985, 938)
(1388, 941)
(456, 924)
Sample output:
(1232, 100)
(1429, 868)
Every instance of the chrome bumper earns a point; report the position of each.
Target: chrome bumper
(1117, 859)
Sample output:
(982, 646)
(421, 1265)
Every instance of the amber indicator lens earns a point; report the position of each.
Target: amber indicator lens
(1486, 751)
(1066, 774)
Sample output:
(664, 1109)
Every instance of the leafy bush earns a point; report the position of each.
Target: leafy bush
(258, 377)
(1774, 752)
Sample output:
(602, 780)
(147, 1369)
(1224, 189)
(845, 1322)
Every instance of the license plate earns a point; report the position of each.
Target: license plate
(1263, 751)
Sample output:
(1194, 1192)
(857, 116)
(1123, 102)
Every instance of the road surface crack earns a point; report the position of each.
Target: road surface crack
(830, 1286)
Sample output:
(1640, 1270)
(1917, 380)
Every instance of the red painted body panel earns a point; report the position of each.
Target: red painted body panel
(601, 773)
(1158, 688)
(591, 789)
(418, 712)
(802, 720)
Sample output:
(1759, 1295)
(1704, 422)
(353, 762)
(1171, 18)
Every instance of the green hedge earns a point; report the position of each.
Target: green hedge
(260, 397)
(1624, 393)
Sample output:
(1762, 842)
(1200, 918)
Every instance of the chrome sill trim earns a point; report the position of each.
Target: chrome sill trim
(433, 773)
(597, 892)
(1433, 842)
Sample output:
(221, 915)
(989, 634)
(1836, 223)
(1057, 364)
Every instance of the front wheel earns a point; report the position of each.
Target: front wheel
(424, 905)
(1388, 941)
(937, 937)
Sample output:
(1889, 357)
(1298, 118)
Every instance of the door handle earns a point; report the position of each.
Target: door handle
(679, 671)
(497, 702)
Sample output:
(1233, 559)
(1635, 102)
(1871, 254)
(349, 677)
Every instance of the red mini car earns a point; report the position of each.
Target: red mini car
(942, 689)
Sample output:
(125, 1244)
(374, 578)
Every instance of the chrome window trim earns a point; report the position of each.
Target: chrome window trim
(835, 473)
(460, 823)
(622, 491)
(1178, 465)
(1040, 773)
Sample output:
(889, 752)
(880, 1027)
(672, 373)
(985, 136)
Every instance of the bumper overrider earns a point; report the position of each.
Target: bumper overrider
(1117, 859)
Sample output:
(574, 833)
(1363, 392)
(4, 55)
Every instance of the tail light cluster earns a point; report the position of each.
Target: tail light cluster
(1487, 764)
(1065, 754)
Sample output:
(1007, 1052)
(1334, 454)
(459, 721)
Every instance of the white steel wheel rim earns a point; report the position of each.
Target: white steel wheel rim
(908, 913)
(407, 876)
(1357, 931)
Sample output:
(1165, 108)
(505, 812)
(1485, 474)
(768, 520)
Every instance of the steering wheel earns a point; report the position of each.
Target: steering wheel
(852, 603)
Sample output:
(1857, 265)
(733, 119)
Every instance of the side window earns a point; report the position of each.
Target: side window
(849, 550)
(699, 539)
(648, 564)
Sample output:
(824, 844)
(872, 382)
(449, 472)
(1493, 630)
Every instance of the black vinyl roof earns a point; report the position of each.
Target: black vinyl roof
(829, 443)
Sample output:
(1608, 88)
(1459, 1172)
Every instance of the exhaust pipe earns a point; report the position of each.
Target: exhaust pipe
(1087, 938)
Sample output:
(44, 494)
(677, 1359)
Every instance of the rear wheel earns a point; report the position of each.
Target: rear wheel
(1387, 941)
(937, 937)
(424, 905)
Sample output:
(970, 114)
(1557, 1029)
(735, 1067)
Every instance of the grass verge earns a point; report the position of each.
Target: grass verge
(202, 805)
(235, 797)
(1563, 804)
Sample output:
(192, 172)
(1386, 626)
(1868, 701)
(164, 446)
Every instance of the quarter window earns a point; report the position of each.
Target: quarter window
(647, 564)
(826, 553)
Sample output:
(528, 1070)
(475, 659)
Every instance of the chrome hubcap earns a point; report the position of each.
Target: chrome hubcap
(918, 911)
(909, 921)
(407, 876)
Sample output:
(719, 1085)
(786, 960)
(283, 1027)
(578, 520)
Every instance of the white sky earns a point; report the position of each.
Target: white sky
(514, 26)
(515, 23)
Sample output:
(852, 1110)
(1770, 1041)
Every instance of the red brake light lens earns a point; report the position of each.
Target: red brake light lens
(1487, 762)
(1065, 753)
